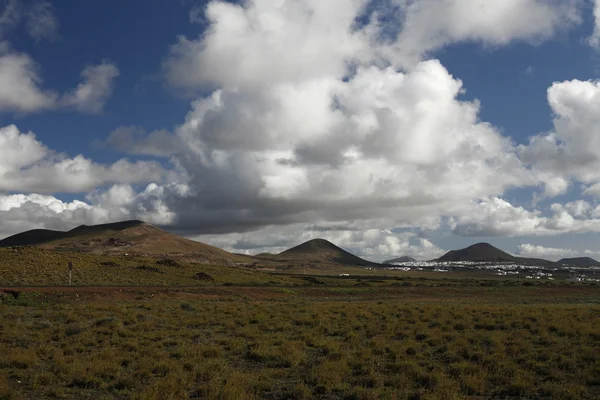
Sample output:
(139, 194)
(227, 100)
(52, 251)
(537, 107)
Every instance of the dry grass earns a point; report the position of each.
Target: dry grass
(307, 344)
(33, 266)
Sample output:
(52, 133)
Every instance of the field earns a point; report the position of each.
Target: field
(33, 267)
(421, 339)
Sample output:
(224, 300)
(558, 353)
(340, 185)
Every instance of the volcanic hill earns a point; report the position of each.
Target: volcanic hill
(404, 259)
(318, 252)
(480, 252)
(135, 237)
(485, 252)
(579, 262)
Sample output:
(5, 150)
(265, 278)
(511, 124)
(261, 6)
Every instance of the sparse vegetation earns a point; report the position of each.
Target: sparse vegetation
(170, 326)
(28, 266)
(311, 342)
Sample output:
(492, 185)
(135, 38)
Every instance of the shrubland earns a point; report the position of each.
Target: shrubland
(403, 342)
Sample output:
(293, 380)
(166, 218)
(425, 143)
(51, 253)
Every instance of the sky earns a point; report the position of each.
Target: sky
(389, 127)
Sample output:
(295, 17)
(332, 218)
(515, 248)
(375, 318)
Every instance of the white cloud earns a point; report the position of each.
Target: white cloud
(20, 212)
(572, 149)
(549, 253)
(21, 92)
(497, 217)
(309, 118)
(381, 143)
(263, 41)
(594, 39)
(312, 39)
(579, 208)
(372, 244)
(432, 24)
(9, 17)
(19, 85)
(91, 95)
(23, 212)
(283, 138)
(38, 16)
(26, 165)
(593, 190)
(42, 22)
(135, 140)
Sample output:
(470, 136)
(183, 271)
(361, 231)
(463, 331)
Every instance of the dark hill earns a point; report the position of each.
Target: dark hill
(95, 229)
(579, 262)
(40, 236)
(480, 252)
(485, 252)
(404, 259)
(136, 237)
(322, 251)
(32, 238)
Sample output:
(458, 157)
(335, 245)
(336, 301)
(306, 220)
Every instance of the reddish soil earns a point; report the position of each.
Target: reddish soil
(425, 294)
(111, 293)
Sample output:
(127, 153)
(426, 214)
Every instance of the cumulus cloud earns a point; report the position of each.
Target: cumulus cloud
(429, 25)
(20, 84)
(91, 95)
(497, 217)
(264, 42)
(381, 143)
(21, 91)
(42, 22)
(26, 165)
(310, 117)
(20, 212)
(372, 244)
(549, 253)
(135, 140)
(326, 37)
(38, 17)
(9, 17)
(594, 39)
(572, 149)
(326, 111)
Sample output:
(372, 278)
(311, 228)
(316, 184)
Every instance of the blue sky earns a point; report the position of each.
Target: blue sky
(214, 120)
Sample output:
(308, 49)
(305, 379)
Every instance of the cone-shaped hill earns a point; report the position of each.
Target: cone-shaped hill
(579, 262)
(485, 252)
(320, 251)
(480, 252)
(403, 259)
(32, 238)
(136, 237)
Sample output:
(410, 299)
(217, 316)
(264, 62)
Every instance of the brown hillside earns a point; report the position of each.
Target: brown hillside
(318, 251)
(32, 238)
(135, 237)
(485, 252)
(482, 252)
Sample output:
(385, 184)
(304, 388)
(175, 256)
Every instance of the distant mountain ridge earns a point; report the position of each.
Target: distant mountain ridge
(579, 262)
(40, 236)
(485, 252)
(403, 259)
(318, 251)
(123, 237)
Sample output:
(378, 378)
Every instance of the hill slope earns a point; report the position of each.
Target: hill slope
(40, 236)
(134, 237)
(485, 252)
(32, 238)
(482, 252)
(319, 251)
(404, 259)
(579, 262)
